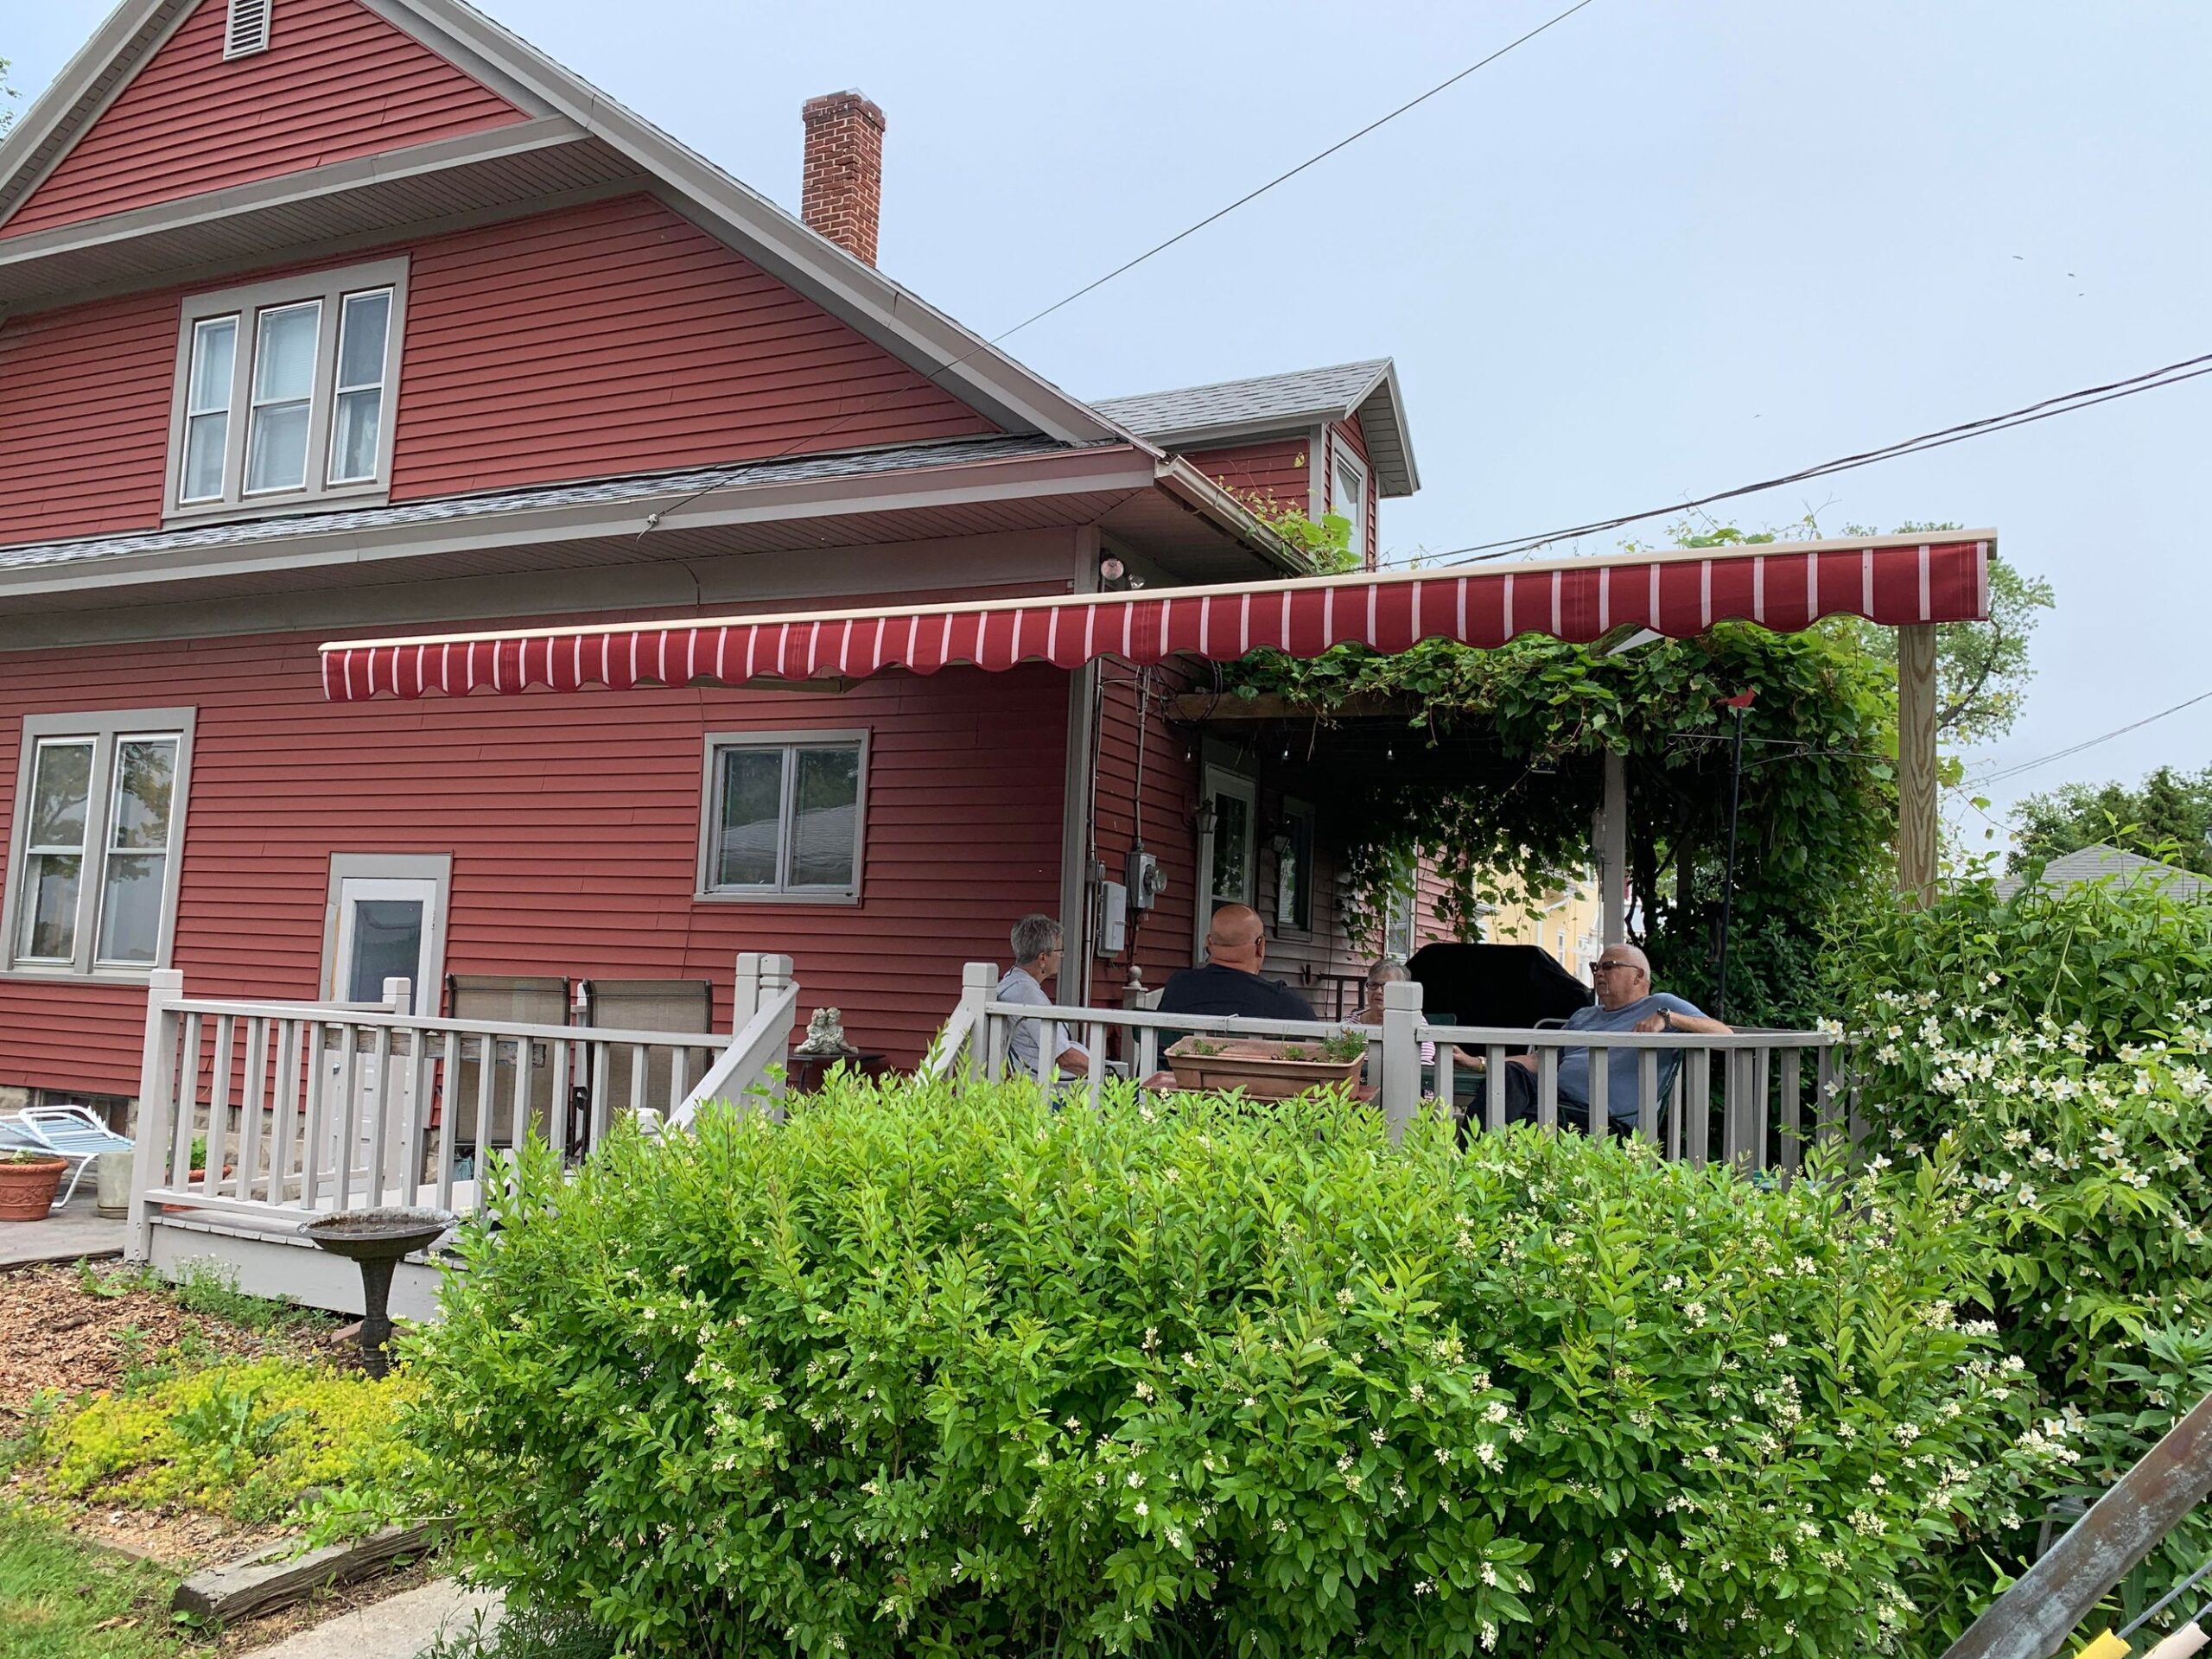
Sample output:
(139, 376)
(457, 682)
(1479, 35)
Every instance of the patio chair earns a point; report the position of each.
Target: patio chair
(68, 1132)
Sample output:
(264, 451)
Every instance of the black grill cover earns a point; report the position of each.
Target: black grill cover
(1513, 985)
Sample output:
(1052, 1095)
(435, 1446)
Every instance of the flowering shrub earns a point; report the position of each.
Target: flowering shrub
(2054, 1054)
(936, 1370)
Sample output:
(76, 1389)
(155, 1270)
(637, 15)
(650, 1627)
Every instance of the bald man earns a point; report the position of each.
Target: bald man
(1230, 983)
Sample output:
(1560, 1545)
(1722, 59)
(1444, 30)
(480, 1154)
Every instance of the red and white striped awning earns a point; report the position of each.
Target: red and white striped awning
(1895, 581)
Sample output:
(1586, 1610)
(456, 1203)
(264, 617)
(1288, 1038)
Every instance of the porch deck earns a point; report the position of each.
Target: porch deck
(256, 1117)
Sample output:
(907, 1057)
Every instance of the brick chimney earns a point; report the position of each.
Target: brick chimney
(841, 192)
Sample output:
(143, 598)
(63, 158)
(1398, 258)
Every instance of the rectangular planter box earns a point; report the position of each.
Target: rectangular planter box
(1263, 1069)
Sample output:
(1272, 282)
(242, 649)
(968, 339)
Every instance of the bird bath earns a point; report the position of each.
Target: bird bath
(376, 1239)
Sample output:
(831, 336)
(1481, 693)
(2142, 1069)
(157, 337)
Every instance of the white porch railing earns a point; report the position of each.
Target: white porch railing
(767, 1008)
(306, 1108)
(1742, 1096)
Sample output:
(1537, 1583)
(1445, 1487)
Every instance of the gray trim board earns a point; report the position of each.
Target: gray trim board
(289, 189)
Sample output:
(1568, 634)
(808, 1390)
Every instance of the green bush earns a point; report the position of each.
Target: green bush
(938, 1370)
(2054, 1052)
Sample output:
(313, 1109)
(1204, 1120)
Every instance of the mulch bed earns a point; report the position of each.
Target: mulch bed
(56, 1336)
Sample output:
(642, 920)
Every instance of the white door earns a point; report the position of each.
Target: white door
(389, 927)
(1226, 828)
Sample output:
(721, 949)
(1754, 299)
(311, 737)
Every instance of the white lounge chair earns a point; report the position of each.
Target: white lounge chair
(70, 1131)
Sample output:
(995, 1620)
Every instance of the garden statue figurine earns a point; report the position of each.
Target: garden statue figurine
(824, 1035)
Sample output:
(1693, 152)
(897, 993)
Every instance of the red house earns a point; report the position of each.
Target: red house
(324, 320)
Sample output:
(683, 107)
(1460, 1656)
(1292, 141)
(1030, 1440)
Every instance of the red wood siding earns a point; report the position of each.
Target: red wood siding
(85, 416)
(1279, 469)
(621, 338)
(573, 823)
(337, 81)
(1171, 790)
(609, 338)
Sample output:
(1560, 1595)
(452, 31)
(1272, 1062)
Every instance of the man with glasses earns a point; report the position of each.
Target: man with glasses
(1622, 977)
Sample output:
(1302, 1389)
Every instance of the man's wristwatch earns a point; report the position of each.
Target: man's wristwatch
(1666, 1020)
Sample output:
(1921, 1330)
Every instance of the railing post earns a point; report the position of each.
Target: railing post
(156, 1107)
(979, 982)
(775, 981)
(1401, 1072)
(747, 1000)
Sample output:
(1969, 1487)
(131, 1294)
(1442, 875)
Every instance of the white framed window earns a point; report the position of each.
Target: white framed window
(784, 816)
(285, 393)
(1227, 826)
(1293, 846)
(1348, 494)
(97, 827)
(1398, 924)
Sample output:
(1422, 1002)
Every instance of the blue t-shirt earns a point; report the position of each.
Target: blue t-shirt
(1621, 1102)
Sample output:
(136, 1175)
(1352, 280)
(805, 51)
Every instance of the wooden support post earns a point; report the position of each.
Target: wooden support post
(1917, 839)
(1613, 848)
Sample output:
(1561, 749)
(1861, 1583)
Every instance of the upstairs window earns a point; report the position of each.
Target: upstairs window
(98, 820)
(785, 816)
(1349, 497)
(284, 393)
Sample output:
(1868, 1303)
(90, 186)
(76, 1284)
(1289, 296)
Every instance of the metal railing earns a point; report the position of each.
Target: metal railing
(303, 1107)
(1741, 1096)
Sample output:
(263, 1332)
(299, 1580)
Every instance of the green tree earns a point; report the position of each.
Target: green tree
(6, 100)
(2169, 816)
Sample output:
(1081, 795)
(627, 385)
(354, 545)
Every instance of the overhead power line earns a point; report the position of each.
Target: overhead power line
(2157, 379)
(1285, 177)
(2002, 773)
(1128, 266)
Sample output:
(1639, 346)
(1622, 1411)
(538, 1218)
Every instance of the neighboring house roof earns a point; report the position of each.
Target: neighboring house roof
(1267, 403)
(2101, 862)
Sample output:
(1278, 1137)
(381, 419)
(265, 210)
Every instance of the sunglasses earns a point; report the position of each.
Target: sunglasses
(1612, 967)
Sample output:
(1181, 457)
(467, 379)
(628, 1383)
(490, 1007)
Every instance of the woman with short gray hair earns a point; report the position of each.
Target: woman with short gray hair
(1038, 945)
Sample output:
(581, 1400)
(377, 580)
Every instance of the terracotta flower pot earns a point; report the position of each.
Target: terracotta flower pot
(27, 1188)
(1265, 1070)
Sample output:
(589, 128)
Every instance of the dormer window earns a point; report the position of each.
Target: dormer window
(284, 393)
(1348, 496)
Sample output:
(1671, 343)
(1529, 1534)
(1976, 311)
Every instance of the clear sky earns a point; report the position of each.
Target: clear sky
(1662, 250)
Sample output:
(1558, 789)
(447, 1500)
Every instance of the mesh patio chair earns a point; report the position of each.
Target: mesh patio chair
(67, 1132)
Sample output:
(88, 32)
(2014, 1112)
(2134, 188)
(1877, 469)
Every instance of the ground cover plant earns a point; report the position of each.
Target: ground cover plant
(933, 1368)
(248, 1440)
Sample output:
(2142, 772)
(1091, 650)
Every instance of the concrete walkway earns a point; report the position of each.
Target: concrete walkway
(400, 1627)
(63, 1235)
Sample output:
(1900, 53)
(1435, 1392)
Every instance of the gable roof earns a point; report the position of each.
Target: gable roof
(2102, 862)
(1228, 410)
(592, 131)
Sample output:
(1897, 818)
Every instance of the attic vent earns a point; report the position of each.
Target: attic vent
(248, 31)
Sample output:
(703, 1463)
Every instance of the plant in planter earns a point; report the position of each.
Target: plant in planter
(1267, 1068)
(28, 1180)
